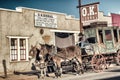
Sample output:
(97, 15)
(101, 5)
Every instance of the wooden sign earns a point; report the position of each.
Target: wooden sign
(45, 20)
(89, 12)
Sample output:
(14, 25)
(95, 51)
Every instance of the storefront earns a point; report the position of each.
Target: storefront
(25, 27)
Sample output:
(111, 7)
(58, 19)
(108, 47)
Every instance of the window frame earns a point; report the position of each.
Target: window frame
(18, 49)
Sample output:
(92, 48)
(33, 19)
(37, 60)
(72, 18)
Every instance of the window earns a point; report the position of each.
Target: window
(119, 35)
(100, 36)
(14, 50)
(22, 49)
(115, 35)
(108, 35)
(18, 48)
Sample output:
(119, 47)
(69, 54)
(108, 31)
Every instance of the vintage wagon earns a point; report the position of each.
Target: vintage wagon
(101, 47)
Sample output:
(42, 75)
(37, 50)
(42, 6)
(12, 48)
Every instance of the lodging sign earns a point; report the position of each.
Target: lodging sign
(89, 12)
(45, 20)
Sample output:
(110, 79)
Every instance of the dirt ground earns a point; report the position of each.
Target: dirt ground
(19, 77)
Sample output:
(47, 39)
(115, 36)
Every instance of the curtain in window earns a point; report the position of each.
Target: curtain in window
(64, 40)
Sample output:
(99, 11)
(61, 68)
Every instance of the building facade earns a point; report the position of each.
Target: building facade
(115, 19)
(24, 27)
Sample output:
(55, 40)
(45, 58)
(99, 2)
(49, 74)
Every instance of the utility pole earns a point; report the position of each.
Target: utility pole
(79, 6)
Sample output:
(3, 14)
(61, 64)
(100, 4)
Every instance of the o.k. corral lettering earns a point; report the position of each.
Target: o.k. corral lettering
(89, 12)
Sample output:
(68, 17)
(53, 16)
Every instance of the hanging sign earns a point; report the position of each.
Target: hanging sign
(89, 12)
(45, 20)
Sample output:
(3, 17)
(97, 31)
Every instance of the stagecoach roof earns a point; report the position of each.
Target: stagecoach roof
(112, 27)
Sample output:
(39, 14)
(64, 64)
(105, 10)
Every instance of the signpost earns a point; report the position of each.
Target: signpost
(87, 12)
(79, 6)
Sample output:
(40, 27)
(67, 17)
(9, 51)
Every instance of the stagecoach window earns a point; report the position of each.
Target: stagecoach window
(108, 35)
(91, 40)
(115, 35)
(100, 36)
(119, 34)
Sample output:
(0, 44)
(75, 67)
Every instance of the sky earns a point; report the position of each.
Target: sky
(63, 6)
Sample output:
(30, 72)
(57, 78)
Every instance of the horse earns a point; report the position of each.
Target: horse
(44, 53)
(70, 53)
(39, 63)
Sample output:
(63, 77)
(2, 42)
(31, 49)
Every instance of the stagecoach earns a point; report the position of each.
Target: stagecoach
(101, 47)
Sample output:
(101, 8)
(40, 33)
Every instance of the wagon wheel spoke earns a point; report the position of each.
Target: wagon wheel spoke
(98, 63)
(118, 58)
(96, 66)
(75, 67)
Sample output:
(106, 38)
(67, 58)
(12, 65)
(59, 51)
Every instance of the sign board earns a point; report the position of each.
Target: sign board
(89, 12)
(45, 20)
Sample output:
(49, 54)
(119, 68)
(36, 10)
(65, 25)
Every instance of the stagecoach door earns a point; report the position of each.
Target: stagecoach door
(108, 38)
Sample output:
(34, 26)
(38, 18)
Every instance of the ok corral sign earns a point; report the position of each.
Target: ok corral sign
(89, 12)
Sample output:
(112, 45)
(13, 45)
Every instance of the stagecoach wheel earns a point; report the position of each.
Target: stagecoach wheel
(84, 63)
(76, 68)
(58, 72)
(118, 58)
(98, 63)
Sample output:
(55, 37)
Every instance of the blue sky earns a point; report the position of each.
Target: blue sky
(62, 6)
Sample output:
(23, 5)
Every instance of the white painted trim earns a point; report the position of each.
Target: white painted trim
(27, 54)
(20, 9)
(10, 49)
(16, 37)
(18, 49)
(4, 9)
(65, 31)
